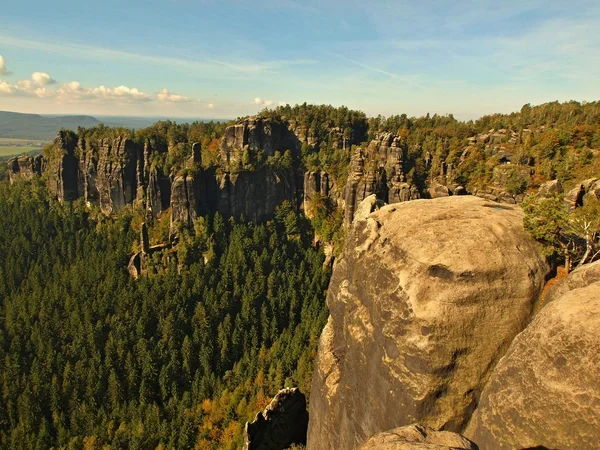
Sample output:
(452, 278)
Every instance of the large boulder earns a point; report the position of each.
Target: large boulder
(545, 391)
(417, 437)
(281, 424)
(424, 301)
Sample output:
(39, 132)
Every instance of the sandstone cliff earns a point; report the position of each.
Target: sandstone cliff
(424, 301)
(256, 134)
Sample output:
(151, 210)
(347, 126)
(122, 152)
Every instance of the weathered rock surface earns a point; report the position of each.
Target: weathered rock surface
(583, 192)
(62, 167)
(579, 278)
(184, 202)
(283, 423)
(550, 189)
(116, 174)
(255, 195)
(366, 207)
(256, 133)
(424, 301)
(417, 437)
(544, 391)
(317, 184)
(25, 167)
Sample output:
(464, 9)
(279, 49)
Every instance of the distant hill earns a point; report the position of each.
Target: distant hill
(34, 126)
(44, 127)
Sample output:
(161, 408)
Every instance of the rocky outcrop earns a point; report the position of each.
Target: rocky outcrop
(25, 167)
(581, 277)
(585, 191)
(255, 195)
(379, 170)
(317, 184)
(185, 196)
(116, 179)
(283, 423)
(62, 167)
(424, 301)
(498, 195)
(550, 189)
(362, 182)
(543, 393)
(417, 437)
(256, 134)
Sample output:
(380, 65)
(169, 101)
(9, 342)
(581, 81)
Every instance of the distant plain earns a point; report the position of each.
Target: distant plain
(13, 147)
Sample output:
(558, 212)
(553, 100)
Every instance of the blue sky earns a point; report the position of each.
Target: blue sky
(202, 58)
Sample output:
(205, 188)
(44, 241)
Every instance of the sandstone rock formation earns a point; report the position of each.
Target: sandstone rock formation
(256, 133)
(62, 167)
(116, 174)
(317, 184)
(550, 189)
(583, 192)
(424, 301)
(185, 197)
(25, 167)
(283, 423)
(581, 277)
(544, 390)
(255, 195)
(417, 437)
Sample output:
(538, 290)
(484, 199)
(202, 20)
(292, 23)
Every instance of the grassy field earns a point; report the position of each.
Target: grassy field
(12, 147)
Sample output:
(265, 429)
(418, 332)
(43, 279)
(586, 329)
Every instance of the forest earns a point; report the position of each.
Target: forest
(181, 359)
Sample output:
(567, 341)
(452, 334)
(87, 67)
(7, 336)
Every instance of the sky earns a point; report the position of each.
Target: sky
(225, 59)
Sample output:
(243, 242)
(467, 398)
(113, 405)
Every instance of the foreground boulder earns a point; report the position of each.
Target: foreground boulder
(424, 301)
(417, 437)
(544, 392)
(283, 423)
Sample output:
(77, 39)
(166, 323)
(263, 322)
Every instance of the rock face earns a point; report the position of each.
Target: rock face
(317, 184)
(550, 189)
(379, 170)
(417, 437)
(62, 167)
(256, 133)
(25, 167)
(544, 390)
(116, 180)
(424, 301)
(579, 278)
(587, 190)
(185, 198)
(255, 195)
(283, 423)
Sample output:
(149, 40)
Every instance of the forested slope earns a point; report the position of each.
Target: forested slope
(90, 357)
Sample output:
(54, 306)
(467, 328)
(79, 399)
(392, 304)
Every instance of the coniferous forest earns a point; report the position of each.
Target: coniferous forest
(179, 359)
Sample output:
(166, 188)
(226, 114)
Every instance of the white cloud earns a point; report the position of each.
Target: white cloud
(210, 105)
(259, 101)
(283, 103)
(6, 88)
(42, 79)
(73, 91)
(166, 96)
(38, 86)
(3, 68)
